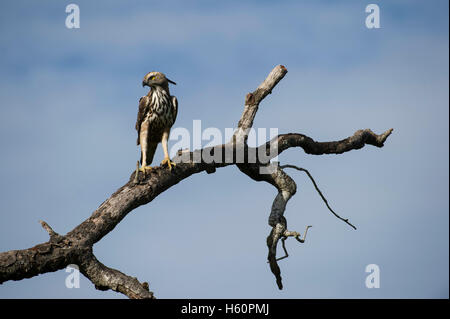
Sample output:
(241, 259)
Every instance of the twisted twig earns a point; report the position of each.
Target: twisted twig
(320, 193)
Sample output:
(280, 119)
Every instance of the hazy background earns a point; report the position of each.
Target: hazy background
(68, 105)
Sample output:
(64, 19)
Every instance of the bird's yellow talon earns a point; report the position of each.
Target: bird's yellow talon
(144, 169)
(168, 162)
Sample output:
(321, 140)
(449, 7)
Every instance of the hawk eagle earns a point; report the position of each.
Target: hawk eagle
(157, 113)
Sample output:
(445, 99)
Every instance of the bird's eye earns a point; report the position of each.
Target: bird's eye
(152, 77)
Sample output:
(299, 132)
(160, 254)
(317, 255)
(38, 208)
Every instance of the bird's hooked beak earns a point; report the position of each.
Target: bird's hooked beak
(146, 83)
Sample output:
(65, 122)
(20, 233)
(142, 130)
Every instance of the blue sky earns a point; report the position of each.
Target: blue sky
(68, 104)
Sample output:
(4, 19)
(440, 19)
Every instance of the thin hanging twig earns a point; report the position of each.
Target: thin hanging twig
(318, 190)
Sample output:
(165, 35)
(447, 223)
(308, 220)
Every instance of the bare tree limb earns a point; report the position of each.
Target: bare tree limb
(252, 101)
(358, 140)
(105, 278)
(76, 246)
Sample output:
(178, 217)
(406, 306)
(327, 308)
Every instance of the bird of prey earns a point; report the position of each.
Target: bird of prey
(157, 113)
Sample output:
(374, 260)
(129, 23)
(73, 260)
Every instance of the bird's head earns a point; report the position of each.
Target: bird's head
(153, 79)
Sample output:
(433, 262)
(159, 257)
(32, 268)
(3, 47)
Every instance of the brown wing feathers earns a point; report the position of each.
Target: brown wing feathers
(174, 108)
(143, 108)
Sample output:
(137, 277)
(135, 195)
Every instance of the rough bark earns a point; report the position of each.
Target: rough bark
(76, 246)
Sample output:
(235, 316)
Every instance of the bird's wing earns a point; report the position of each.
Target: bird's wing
(144, 104)
(174, 108)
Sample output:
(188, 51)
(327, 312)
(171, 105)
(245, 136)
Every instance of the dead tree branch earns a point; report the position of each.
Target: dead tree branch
(75, 247)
